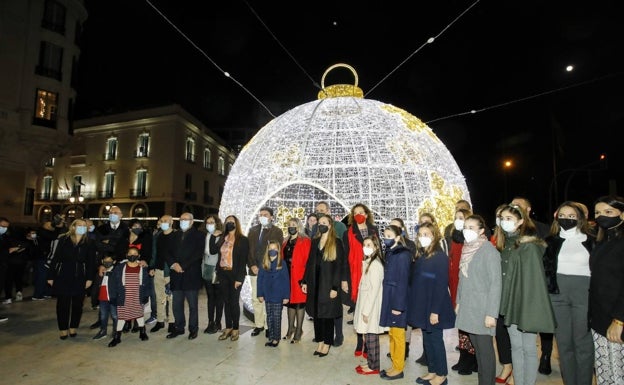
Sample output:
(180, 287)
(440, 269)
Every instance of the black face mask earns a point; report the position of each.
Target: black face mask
(230, 226)
(107, 264)
(137, 230)
(567, 223)
(133, 258)
(608, 222)
(292, 230)
(323, 229)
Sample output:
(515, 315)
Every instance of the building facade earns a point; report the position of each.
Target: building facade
(39, 52)
(149, 163)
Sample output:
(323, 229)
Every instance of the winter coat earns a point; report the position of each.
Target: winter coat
(429, 293)
(478, 293)
(551, 259)
(524, 297)
(71, 266)
(395, 283)
(273, 284)
(369, 299)
(298, 262)
(117, 286)
(188, 251)
(321, 277)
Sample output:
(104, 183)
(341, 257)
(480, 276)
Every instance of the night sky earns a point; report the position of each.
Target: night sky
(506, 57)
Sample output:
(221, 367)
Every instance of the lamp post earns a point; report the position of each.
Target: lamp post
(76, 201)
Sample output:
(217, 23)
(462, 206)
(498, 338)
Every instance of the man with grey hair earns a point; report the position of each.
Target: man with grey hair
(185, 265)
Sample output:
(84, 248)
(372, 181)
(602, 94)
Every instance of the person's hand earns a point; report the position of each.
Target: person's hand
(285, 301)
(237, 284)
(345, 286)
(167, 280)
(13, 249)
(50, 282)
(614, 333)
(217, 233)
(177, 268)
(396, 312)
(152, 272)
(333, 294)
(304, 288)
(88, 284)
(490, 322)
(143, 263)
(456, 309)
(254, 269)
(260, 299)
(433, 318)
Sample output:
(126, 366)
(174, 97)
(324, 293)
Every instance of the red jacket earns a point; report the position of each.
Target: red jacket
(297, 268)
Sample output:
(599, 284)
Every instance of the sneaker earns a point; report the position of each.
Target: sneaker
(47, 296)
(101, 334)
(3, 318)
(18, 296)
(7, 301)
(150, 320)
(38, 299)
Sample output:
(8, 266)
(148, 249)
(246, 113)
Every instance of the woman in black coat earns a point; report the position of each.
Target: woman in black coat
(321, 282)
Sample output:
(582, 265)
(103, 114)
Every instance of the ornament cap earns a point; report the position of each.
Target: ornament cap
(338, 90)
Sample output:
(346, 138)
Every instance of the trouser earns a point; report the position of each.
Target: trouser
(503, 345)
(40, 279)
(163, 301)
(231, 298)
(274, 320)
(152, 297)
(69, 311)
(191, 297)
(523, 356)
(107, 310)
(214, 302)
(371, 341)
(436, 355)
(14, 277)
(574, 339)
(258, 307)
(324, 330)
(486, 359)
(609, 360)
(396, 337)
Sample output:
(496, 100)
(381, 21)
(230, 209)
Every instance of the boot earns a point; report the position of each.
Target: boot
(127, 326)
(171, 328)
(544, 366)
(470, 363)
(135, 326)
(462, 363)
(142, 335)
(116, 340)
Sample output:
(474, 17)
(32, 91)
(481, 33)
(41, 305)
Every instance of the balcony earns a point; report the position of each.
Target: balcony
(208, 200)
(138, 193)
(104, 194)
(49, 72)
(141, 153)
(190, 158)
(190, 196)
(109, 156)
(44, 196)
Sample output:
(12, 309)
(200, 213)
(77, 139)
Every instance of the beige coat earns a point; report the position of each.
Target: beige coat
(369, 299)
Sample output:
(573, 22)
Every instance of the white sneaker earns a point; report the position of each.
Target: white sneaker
(7, 301)
(18, 296)
(3, 318)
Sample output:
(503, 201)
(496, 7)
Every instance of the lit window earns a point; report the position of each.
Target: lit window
(109, 184)
(47, 187)
(143, 145)
(207, 158)
(47, 104)
(221, 166)
(141, 183)
(111, 148)
(190, 150)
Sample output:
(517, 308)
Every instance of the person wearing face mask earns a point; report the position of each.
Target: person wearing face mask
(274, 290)
(429, 302)
(259, 236)
(185, 264)
(214, 302)
(129, 290)
(606, 290)
(143, 240)
(106, 308)
(321, 283)
(525, 303)
(478, 295)
(296, 249)
(71, 272)
(368, 305)
(164, 248)
(361, 225)
(113, 236)
(233, 249)
(566, 264)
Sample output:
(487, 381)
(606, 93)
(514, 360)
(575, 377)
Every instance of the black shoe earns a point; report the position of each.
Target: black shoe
(157, 327)
(351, 310)
(95, 325)
(171, 328)
(422, 360)
(135, 327)
(350, 322)
(101, 334)
(116, 340)
(127, 327)
(174, 334)
(256, 331)
(544, 366)
(192, 335)
(209, 329)
(142, 334)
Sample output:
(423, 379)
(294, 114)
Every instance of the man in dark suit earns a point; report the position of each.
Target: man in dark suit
(185, 266)
(112, 238)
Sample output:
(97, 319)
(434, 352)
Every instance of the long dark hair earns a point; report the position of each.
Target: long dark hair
(616, 202)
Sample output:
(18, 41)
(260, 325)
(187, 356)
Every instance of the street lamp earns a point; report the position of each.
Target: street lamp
(75, 200)
(507, 165)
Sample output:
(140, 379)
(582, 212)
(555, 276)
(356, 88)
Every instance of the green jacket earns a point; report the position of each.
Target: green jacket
(524, 297)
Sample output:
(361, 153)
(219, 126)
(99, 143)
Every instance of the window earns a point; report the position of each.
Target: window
(109, 184)
(111, 148)
(29, 201)
(50, 61)
(188, 182)
(221, 165)
(141, 183)
(54, 16)
(190, 150)
(45, 108)
(47, 188)
(49, 162)
(143, 145)
(207, 158)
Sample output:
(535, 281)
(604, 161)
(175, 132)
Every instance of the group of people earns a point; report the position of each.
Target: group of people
(506, 284)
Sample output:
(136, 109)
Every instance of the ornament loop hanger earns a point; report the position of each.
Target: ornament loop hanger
(337, 90)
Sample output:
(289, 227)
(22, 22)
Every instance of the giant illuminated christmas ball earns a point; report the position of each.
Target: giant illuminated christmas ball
(344, 149)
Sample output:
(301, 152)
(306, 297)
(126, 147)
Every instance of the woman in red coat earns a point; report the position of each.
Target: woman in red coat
(296, 249)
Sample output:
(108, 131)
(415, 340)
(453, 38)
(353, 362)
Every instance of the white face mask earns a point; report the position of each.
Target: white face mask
(263, 221)
(424, 241)
(459, 224)
(470, 235)
(368, 251)
(508, 226)
(210, 227)
(184, 225)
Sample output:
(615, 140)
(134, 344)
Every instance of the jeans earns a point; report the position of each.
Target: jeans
(107, 309)
(436, 354)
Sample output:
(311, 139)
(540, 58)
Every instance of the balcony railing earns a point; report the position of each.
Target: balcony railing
(104, 194)
(138, 193)
(208, 200)
(109, 156)
(190, 196)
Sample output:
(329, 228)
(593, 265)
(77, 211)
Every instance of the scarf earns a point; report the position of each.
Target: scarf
(356, 256)
(468, 251)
